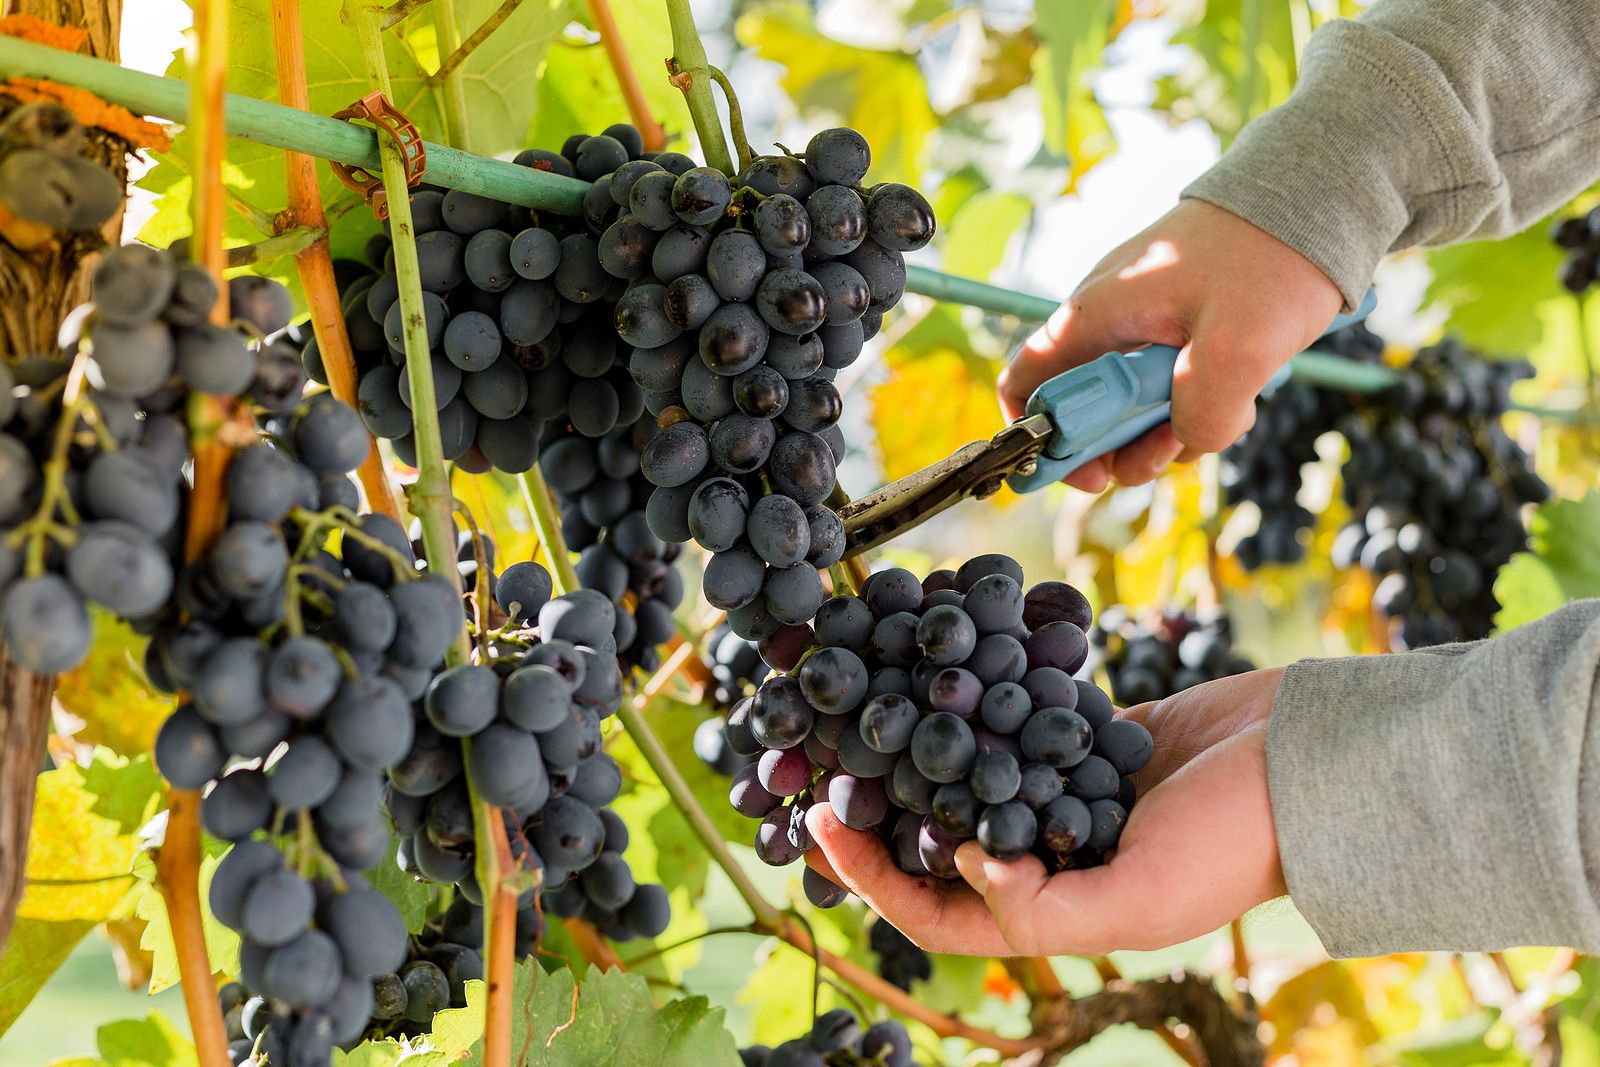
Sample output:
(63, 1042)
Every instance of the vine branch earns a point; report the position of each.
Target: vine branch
(735, 116)
(449, 72)
(460, 52)
(178, 859)
(605, 24)
(690, 72)
(314, 261)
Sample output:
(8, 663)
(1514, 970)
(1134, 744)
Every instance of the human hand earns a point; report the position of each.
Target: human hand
(1236, 301)
(1199, 849)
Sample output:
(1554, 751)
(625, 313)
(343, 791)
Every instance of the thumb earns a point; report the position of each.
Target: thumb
(1011, 890)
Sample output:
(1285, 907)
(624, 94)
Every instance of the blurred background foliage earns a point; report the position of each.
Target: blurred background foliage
(1043, 133)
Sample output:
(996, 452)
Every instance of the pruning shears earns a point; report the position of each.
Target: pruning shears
(1077, 416)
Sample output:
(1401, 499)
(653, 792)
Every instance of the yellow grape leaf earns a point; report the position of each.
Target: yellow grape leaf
(880, 93)
(34, 951)
(933, 402)
(108, 691)
(83, 868)
(1319, 1016)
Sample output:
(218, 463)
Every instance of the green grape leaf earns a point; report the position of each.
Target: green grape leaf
(83, 868)
(33, 952)
(149, 1042)
(222, 944)
(390, 1053)
(1564, 563)
(410, 897)
(607, 1021)
(109, 692)
(878, 92)
(1071, 40)
(578, 92)
(1496, 290)
(979, 232)
(1241, 61)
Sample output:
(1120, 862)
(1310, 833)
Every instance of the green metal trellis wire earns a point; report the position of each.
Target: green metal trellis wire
(288, 128)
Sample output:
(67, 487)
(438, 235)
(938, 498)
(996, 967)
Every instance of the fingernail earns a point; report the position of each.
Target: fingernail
(969, 861)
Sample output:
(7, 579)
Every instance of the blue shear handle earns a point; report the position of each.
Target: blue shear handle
(1111, 401)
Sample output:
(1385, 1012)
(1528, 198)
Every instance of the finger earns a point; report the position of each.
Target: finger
(937, 916)
(1222, 370)
(1146, 458)
(1092, 477)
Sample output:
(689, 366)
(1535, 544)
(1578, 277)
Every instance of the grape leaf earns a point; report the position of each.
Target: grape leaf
(499, 81)
(1496, 290)
(222, 944)
(33, 952)
(149, 1042)
(1071, 40)
(1241, 61)
(1564, 563)
(410, 897)
(979, 232)
(83, 868)
(109, 692)
(607, 1021)
(878, 92)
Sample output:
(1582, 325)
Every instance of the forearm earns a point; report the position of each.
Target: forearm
(1445, 801)
(1423, 122)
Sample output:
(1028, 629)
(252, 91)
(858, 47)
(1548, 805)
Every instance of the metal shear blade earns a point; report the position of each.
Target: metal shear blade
(974, 471)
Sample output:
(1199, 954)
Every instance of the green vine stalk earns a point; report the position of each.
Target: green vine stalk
(691, 73)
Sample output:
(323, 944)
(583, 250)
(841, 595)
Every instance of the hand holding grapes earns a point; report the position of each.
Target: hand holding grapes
(1236, 300)
(1198, 850)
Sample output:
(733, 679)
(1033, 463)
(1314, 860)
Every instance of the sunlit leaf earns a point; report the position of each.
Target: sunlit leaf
(1241, 62)
(978, 234)
(1495, 289)
(108, 691)
(607, 1021)
(82, 867)
(34, 950)
(1071, 40)
(880, 93)
(222, 944)
(149, 1042)
(1564, 563)
(1319, 1017)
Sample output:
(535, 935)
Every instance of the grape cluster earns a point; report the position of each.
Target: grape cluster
(744, 299)
(532, 714)
(1265, 465)
(1178, 650)
(603, 497)
(1580, 237)
(937, 712)
(736, 669)
(311, 949)
(899, 961)
(519, 316)
(93, 446)
(44, 178)
(1434, 483)
(1436, 487)
(838, 1039)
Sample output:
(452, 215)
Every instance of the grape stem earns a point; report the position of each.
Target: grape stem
(547, 522)
(735, 116)
(431, 500)
(690, 72)
(42, 525)
(459, 53)
(448, 76)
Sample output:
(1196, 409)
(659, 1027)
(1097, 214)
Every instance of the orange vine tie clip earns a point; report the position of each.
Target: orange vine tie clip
(376, 109)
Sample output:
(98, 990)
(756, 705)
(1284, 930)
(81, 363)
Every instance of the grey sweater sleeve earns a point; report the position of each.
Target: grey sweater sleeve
(1421, 123)
(1447, 799)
